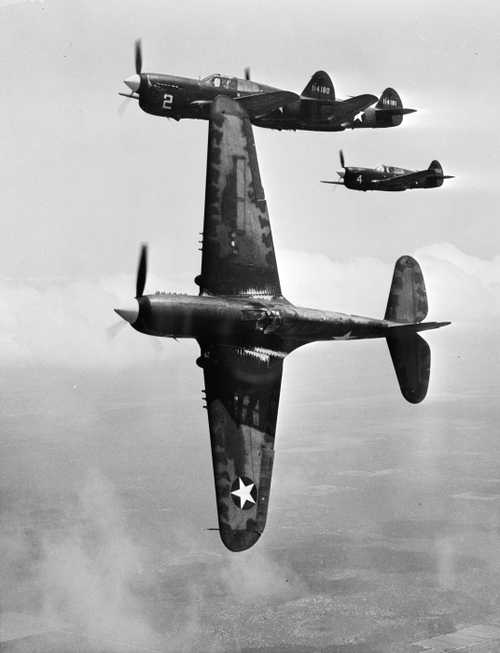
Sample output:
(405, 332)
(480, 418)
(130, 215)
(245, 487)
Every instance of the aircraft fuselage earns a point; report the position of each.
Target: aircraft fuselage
(183, 97)
(364, 179)
(275, 324)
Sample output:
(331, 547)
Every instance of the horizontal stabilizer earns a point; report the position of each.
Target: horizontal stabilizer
(411, 357)
(402, 329)
(397, 111)
(407, 301)
(260, 104)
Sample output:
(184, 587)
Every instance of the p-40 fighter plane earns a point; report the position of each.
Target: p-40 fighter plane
(316, 109)
(388, 177)
(245, 327)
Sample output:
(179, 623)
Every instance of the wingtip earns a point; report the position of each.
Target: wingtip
(238, 540)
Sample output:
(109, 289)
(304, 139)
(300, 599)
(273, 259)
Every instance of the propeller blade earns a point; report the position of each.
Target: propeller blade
(247, 73)
(138, 56)
(342, 161)
(122, 107)
(113, 330)
(142, 271)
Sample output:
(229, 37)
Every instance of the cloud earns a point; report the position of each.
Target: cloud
(254, 576)
(10, 3)
(464, 287)
(87, 573)
(83, 574)
(460, 287)
(70, 323)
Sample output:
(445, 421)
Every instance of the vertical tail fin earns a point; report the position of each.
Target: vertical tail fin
(389, 110)
(436, 167)
(436, 179)
(389, 100)
(320, 87)
(410, 353)
(407, 298)
(411, 357)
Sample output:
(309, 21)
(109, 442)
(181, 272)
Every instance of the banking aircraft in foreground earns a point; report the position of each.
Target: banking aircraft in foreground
(388, 178)
(315, 109)
(245, 327)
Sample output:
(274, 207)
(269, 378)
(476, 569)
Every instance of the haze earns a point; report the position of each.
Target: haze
(383, 524)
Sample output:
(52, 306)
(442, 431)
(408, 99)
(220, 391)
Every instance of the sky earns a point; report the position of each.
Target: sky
(95, 416)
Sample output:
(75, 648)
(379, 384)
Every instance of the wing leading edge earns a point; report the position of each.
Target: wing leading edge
(237, 251)
(242, 393)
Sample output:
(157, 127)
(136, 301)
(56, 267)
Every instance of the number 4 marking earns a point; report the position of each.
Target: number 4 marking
(167, 101)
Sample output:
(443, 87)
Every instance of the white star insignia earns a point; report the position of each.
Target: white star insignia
(243, 493)
(359, 116)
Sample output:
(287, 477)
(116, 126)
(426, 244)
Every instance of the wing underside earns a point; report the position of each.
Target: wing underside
(258, 105)
(346, 110)
(242, 388)
(237, 251)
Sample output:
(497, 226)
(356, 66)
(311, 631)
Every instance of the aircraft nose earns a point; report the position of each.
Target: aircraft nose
(130, 313)
(133, 82)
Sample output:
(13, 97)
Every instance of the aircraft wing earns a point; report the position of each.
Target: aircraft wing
(242, 388)
(260, 104)
(404, 181)
(237, 248)
(346, 110)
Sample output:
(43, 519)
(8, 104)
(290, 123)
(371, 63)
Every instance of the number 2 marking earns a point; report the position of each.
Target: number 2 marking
(167, 101)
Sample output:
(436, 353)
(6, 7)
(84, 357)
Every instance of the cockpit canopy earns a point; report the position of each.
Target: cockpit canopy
(231, 83)
(390, 170)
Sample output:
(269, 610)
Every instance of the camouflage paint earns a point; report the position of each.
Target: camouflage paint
(245, 327)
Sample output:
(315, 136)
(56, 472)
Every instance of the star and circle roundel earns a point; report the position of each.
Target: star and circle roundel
(243, 492)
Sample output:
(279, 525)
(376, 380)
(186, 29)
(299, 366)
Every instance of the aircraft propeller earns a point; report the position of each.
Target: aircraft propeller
(341, 173)
(131, 312)
(134, 81)
(138, 56)
(142, 270)
(114, 329)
